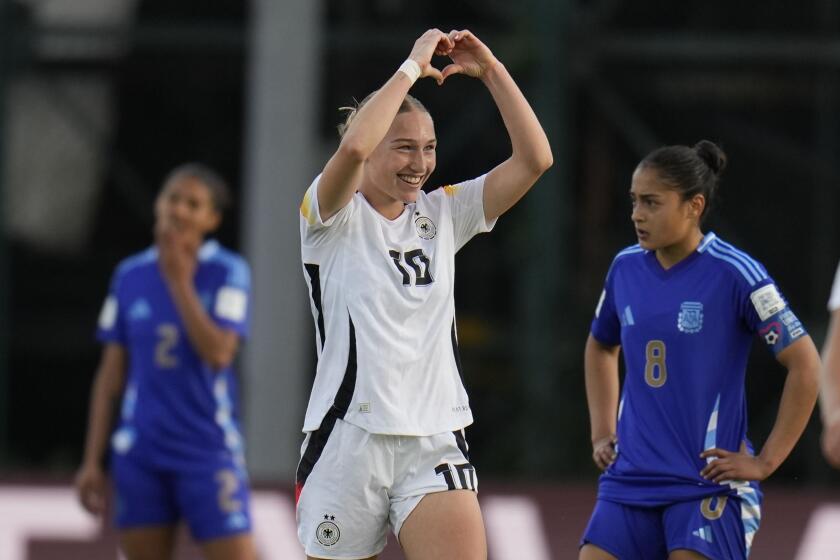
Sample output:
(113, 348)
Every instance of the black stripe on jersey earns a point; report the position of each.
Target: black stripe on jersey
(348, 385)
(341, 404)
(315, 447)
(457, 354)
(314, 272)
(462, 443)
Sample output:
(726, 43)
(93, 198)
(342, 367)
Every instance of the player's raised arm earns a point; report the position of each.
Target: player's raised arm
(531, 152)
(368, 127)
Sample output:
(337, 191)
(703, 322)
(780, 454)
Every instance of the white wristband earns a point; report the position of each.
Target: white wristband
(411, 69)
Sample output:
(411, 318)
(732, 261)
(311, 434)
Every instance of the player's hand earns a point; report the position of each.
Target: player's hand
(603, 451)
(91, 485)
(432, 42)
(732, 465)
(831, 440)
(177, 253)
(469, 55)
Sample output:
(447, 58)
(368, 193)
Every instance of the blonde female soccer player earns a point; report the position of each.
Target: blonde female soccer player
(385, 423)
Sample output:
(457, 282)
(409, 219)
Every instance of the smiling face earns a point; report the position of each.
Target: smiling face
(400, 165)
(185, 204)
(661, 217)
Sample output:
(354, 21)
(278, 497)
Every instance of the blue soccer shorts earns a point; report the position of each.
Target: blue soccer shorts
(718, 527)
(213, 499)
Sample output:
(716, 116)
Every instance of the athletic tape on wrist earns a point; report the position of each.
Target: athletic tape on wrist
(411, 69)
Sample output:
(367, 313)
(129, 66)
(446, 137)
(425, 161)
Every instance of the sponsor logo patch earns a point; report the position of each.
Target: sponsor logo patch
(231, 304)
(108, 315)
(767, 301)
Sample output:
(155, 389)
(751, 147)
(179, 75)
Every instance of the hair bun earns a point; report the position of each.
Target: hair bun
(712, 155)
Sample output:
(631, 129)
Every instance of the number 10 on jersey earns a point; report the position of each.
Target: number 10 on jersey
(419, 263)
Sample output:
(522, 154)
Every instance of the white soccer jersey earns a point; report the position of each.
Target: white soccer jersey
(834, 300)
(382, 299)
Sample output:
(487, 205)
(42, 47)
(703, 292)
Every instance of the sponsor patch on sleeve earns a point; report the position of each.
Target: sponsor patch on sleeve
(231, 304)
(108, 314)
(767, 301)
(781, 330)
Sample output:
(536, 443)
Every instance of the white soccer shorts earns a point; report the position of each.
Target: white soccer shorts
(352, 484)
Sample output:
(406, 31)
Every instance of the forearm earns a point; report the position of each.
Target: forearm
(373, 120)
(343, 171)
(797, 404)
(213, 344)
(602, 398)
(529, 143)
(602, 389)
(104, 396)
(830, 371)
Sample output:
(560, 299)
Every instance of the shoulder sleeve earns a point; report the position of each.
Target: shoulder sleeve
(313, 230)
(834, 300)
(231, 307)
(767, 313)
(111, 325)
(466, 202)
(606, 327)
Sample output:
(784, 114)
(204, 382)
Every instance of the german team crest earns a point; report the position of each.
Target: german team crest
(425, 227)
(327, 532)
(690, 319)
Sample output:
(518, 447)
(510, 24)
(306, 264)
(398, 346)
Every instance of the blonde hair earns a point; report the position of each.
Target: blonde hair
(410, 103)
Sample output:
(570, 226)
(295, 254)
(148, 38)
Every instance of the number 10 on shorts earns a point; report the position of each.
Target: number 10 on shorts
(458, 477)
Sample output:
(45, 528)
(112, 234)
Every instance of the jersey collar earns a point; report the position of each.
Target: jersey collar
(208, 249)
(656, 267)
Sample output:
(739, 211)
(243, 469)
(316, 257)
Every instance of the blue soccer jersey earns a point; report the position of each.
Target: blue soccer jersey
(685, 333)
(177, 410)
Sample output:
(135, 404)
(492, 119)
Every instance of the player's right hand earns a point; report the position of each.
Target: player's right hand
(603, 451)
(432, 42)
(90, 488)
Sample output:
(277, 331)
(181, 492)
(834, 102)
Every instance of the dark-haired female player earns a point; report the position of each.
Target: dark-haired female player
(680, 476)
(170, 329)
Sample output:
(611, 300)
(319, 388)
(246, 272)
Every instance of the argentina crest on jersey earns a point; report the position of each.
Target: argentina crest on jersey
(690, 319)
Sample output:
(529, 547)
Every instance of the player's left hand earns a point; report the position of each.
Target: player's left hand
(177, 253)
(732, 465)
(831, 440)
(469, 55)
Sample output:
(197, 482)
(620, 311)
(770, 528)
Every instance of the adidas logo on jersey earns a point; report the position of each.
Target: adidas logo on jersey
(626, 318)
(139, 310)
(704, 533)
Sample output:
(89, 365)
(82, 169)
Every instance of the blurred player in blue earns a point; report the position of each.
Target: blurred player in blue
(170, 329)
(680, 476)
